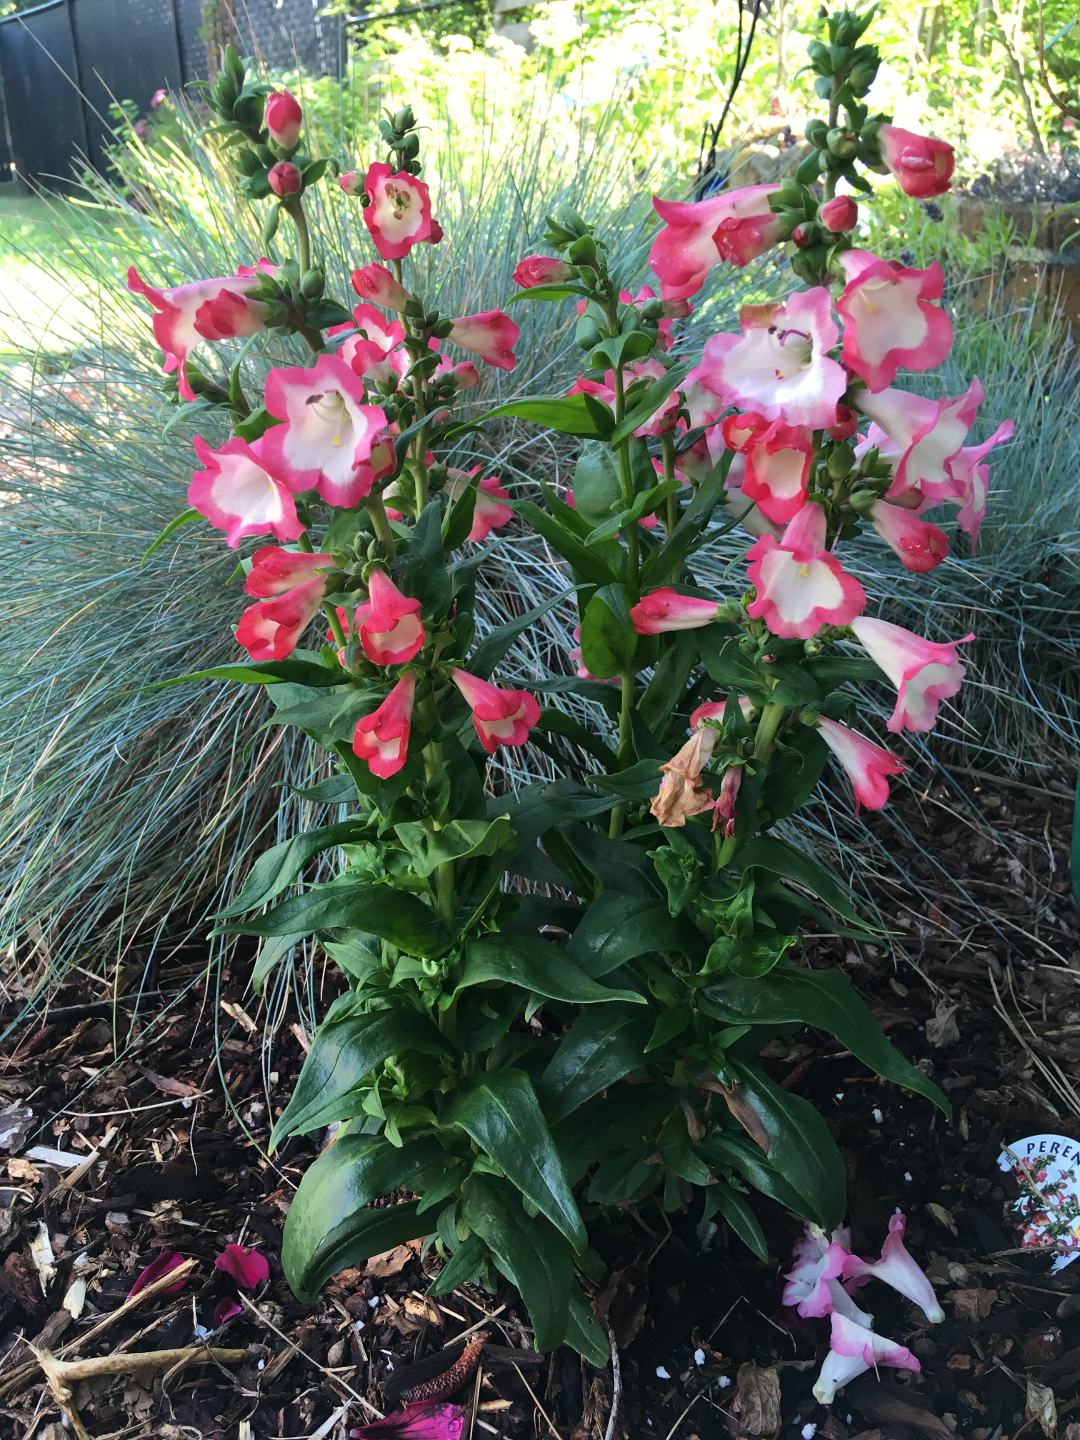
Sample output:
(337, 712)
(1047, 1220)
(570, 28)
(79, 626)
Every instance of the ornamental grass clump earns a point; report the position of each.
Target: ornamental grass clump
(556, 998)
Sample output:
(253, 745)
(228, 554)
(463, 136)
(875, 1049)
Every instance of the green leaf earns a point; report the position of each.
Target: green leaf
(461, 1268)
(672, 1022)
(549, 292)
(648, 501)
(459, 516)
(640, 781)
(497, 642)
(280, 866)
(187, 518)
(832, 670)
(395, 915)
(740, 1217)
(584, 1331)
(569, 414)
(534, 809)
(535, 965)
(617, 928)
(531, 1256)
(650, 402)
(271, 953)
(725, 662)
(344, 1054)
(732, 1149)
(328, 1228)
(259, 672)
(586, 564)
(626, 1117)
(825, 999)
(604, 1043)
(752, 955)
(769, 853)
(458, 840)
(597, 487)
(608, 638)
(557, 722)
(256, 424)
(801, 1146)
(617, 864)
(502, 1114)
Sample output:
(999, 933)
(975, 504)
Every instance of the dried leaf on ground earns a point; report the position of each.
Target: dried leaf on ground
(757, 1404)
(972, 1304)
(1041, 1406)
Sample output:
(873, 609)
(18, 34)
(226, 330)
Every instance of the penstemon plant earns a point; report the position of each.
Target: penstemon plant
(527, 1066)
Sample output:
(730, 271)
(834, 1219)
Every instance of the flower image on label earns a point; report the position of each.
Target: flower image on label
(1047, 1209)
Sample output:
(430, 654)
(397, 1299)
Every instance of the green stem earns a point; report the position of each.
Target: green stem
(626, 747)
(305, 544)
(768, 727)
(671, 504)
(381, 521)
(626, 484)
(303, 235)
(335, 623)
(446, 902)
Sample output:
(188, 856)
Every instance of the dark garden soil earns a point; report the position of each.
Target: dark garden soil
(982, 992)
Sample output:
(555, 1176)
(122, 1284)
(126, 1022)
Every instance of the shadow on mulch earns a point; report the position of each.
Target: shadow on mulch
(982, 992)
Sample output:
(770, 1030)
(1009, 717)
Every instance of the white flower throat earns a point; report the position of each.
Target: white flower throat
(331, 410)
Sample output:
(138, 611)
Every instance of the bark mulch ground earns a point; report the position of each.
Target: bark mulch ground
(983, 992)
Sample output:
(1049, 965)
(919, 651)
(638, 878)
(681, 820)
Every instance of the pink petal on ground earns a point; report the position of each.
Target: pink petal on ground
(247, 1267)
(166, 1261)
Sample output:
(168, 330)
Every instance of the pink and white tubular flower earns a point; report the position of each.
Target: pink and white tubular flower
(382, 738)
(917, 544)
(271, 630)
(778, 471)
(813, 1284)
(330, 430)
(665, 609)
(866, 764)
(283, 117)
(275, 571)
(800, 585)
(926, 433)
(714, 710)
(490, 334)
(898, 1269)
(243, 492)
(924, 672)
(922, 165)
(853, 1350)
(887, 320)
(369, 352)
(389, 623)
(971, 481)
(741, 508)
(501, 717)
(779, 366)
(375, 284)
(488, 514)
(186, 315)
(539, 270)
(736, 225)
(398, 215)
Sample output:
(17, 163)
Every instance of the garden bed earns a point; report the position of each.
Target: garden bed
(982, 994)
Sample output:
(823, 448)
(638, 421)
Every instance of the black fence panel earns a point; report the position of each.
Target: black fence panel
(64, 63)
(39, 70)
(125, 52)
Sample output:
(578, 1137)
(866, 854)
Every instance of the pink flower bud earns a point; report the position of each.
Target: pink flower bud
(801, 235)
(663, 610)
(375, 284)
(283, 117)
(352, 182)
(922, 165)
(840, 213)
(539, 270)
(285, 179)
